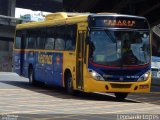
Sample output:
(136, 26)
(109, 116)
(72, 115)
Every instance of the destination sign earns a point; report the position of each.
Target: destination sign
(118, 22)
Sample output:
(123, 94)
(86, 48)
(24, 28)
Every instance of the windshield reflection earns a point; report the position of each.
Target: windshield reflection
(119, 48)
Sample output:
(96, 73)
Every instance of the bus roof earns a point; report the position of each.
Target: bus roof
(61, 18)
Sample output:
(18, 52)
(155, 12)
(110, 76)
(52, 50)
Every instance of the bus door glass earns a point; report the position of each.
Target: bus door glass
(80, 58)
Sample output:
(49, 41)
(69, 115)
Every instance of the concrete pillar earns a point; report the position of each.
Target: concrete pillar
(5, 55)
(7, 7)
(11, 7)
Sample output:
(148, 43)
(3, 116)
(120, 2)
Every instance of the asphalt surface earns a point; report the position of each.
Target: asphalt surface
(20, 100)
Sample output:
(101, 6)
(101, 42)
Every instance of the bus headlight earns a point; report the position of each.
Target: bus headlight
(95, 75)
(145, 76)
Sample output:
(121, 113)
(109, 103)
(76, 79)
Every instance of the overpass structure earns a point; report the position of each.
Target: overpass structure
(146, 8)
(7, 27)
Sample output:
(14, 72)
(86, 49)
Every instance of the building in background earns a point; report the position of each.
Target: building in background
(5, 55)
(33, 17)
(30, 15)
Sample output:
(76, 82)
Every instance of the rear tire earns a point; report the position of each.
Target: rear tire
(31, 76)
(121, 96)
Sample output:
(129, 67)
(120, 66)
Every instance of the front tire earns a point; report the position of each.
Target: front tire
(69, 85)
(121, 96)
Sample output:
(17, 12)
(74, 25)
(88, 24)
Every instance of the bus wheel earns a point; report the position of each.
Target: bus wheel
(121, 96)
(31, 76)
(69, 85)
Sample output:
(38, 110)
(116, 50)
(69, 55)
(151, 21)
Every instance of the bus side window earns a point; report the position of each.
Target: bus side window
(40, 35)
(60, 38)
(18, 40)
(50, 38)
(40, 42)
(59, 44)
(31, 39)
(49, 44)
(31, 42)
(69, 44)
(71, 37)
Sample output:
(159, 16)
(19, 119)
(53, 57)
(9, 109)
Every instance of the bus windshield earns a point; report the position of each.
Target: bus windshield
(119, 47)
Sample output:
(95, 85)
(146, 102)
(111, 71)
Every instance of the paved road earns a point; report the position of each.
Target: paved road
(19, 98)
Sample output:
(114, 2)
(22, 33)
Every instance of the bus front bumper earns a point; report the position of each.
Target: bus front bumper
(92, 85)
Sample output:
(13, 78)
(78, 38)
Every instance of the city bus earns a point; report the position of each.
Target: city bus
(103, 52)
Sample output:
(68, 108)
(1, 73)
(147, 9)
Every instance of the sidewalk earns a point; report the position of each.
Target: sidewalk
(9, 76)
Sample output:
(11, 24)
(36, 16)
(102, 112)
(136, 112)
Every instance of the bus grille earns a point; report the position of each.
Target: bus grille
(115, 75)
(118, 79)
(120, 85)
(121, 72)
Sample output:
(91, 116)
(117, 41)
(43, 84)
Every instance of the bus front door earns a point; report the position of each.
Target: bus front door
(80, 59)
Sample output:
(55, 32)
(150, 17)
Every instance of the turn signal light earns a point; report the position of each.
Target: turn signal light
(107, 88)
(136, 88)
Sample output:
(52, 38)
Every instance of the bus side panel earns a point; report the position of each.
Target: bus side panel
(29, 59)
(23, 64)
(48, 69)
(39, 67)
(69, 62)
(58, 69)
(20, 63)
(16, 62)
